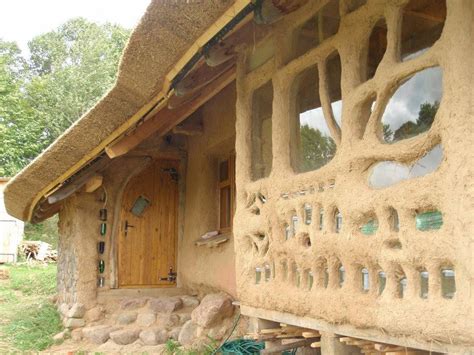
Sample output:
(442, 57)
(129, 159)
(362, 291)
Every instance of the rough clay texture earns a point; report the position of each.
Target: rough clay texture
(201, 268)
(260, 238)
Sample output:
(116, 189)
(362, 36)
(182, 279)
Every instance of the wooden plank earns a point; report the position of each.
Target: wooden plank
(316, 344)
(201, 77)
(278, 349)
(311, 334)
(93, 183)
(148, 249)
(166, 119)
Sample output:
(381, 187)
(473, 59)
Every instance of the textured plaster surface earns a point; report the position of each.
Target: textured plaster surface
(260, 239)
(201, 266)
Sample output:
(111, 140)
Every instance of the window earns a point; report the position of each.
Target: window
(226, 187)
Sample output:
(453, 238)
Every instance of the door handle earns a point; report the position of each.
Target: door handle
(127, 226)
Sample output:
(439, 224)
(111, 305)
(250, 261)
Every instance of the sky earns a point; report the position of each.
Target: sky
(21, 20)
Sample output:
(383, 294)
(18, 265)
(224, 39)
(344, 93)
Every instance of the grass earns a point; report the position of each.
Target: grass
(28, 318)
(174, 348)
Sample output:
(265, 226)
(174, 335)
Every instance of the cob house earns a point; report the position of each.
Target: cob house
(304, 158)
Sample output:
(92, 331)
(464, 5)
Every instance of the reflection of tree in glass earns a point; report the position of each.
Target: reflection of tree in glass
(317, 149)
(410, 129)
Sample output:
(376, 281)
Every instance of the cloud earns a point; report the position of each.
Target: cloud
(315, 118)
(424, 86)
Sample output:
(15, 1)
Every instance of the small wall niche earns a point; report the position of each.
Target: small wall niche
(377, 47)
(422, 25)
(284, 270)
(306, 240)
(388, 173)
(424, 284)
(429, 220)
(314, 31)
(311, 143)
(262, 131)
(382, 281)
(412, 108)
(448, 282)
(394, 220)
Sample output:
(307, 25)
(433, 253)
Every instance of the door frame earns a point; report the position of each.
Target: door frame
(144, 162)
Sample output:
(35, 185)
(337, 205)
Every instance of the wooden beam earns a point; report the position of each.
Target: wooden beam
(93, 183)
(279, 348)
(78, 181)
(166, 119)
(201, 77)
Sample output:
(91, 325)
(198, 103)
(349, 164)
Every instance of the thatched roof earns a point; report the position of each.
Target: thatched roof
(164, 34)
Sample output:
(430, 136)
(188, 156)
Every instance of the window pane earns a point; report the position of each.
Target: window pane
(224, 171)
(225, 207)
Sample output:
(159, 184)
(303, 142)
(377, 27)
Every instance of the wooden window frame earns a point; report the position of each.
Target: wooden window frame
(228, 183)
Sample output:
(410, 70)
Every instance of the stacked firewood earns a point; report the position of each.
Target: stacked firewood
(376, 348)
(38, 250)
(286, 337)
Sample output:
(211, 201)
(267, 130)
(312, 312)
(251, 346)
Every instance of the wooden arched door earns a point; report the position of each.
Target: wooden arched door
(147, 240)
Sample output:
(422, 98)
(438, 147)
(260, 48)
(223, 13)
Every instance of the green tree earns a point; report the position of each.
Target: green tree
(423, 123)
(18, 143)
(317, 149)
(68, 70)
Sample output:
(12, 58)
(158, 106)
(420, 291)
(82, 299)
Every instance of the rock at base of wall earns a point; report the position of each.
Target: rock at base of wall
(127, 318)
(168, 320)
(125, 336)
(73, 323)
(188, 333)
(213, 308)
(94, 314)
(61, 336)
(133, 303)
(63, 309)
(153, 336)
(76, 334)
(190, 301)
(165, 304)
(78, 310)
(146, 319)
(174, 333)
(98, 334)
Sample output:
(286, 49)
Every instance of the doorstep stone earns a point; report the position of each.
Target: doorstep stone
(165, 304)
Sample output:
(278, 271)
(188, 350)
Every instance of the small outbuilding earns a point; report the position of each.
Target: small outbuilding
(11, 230)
